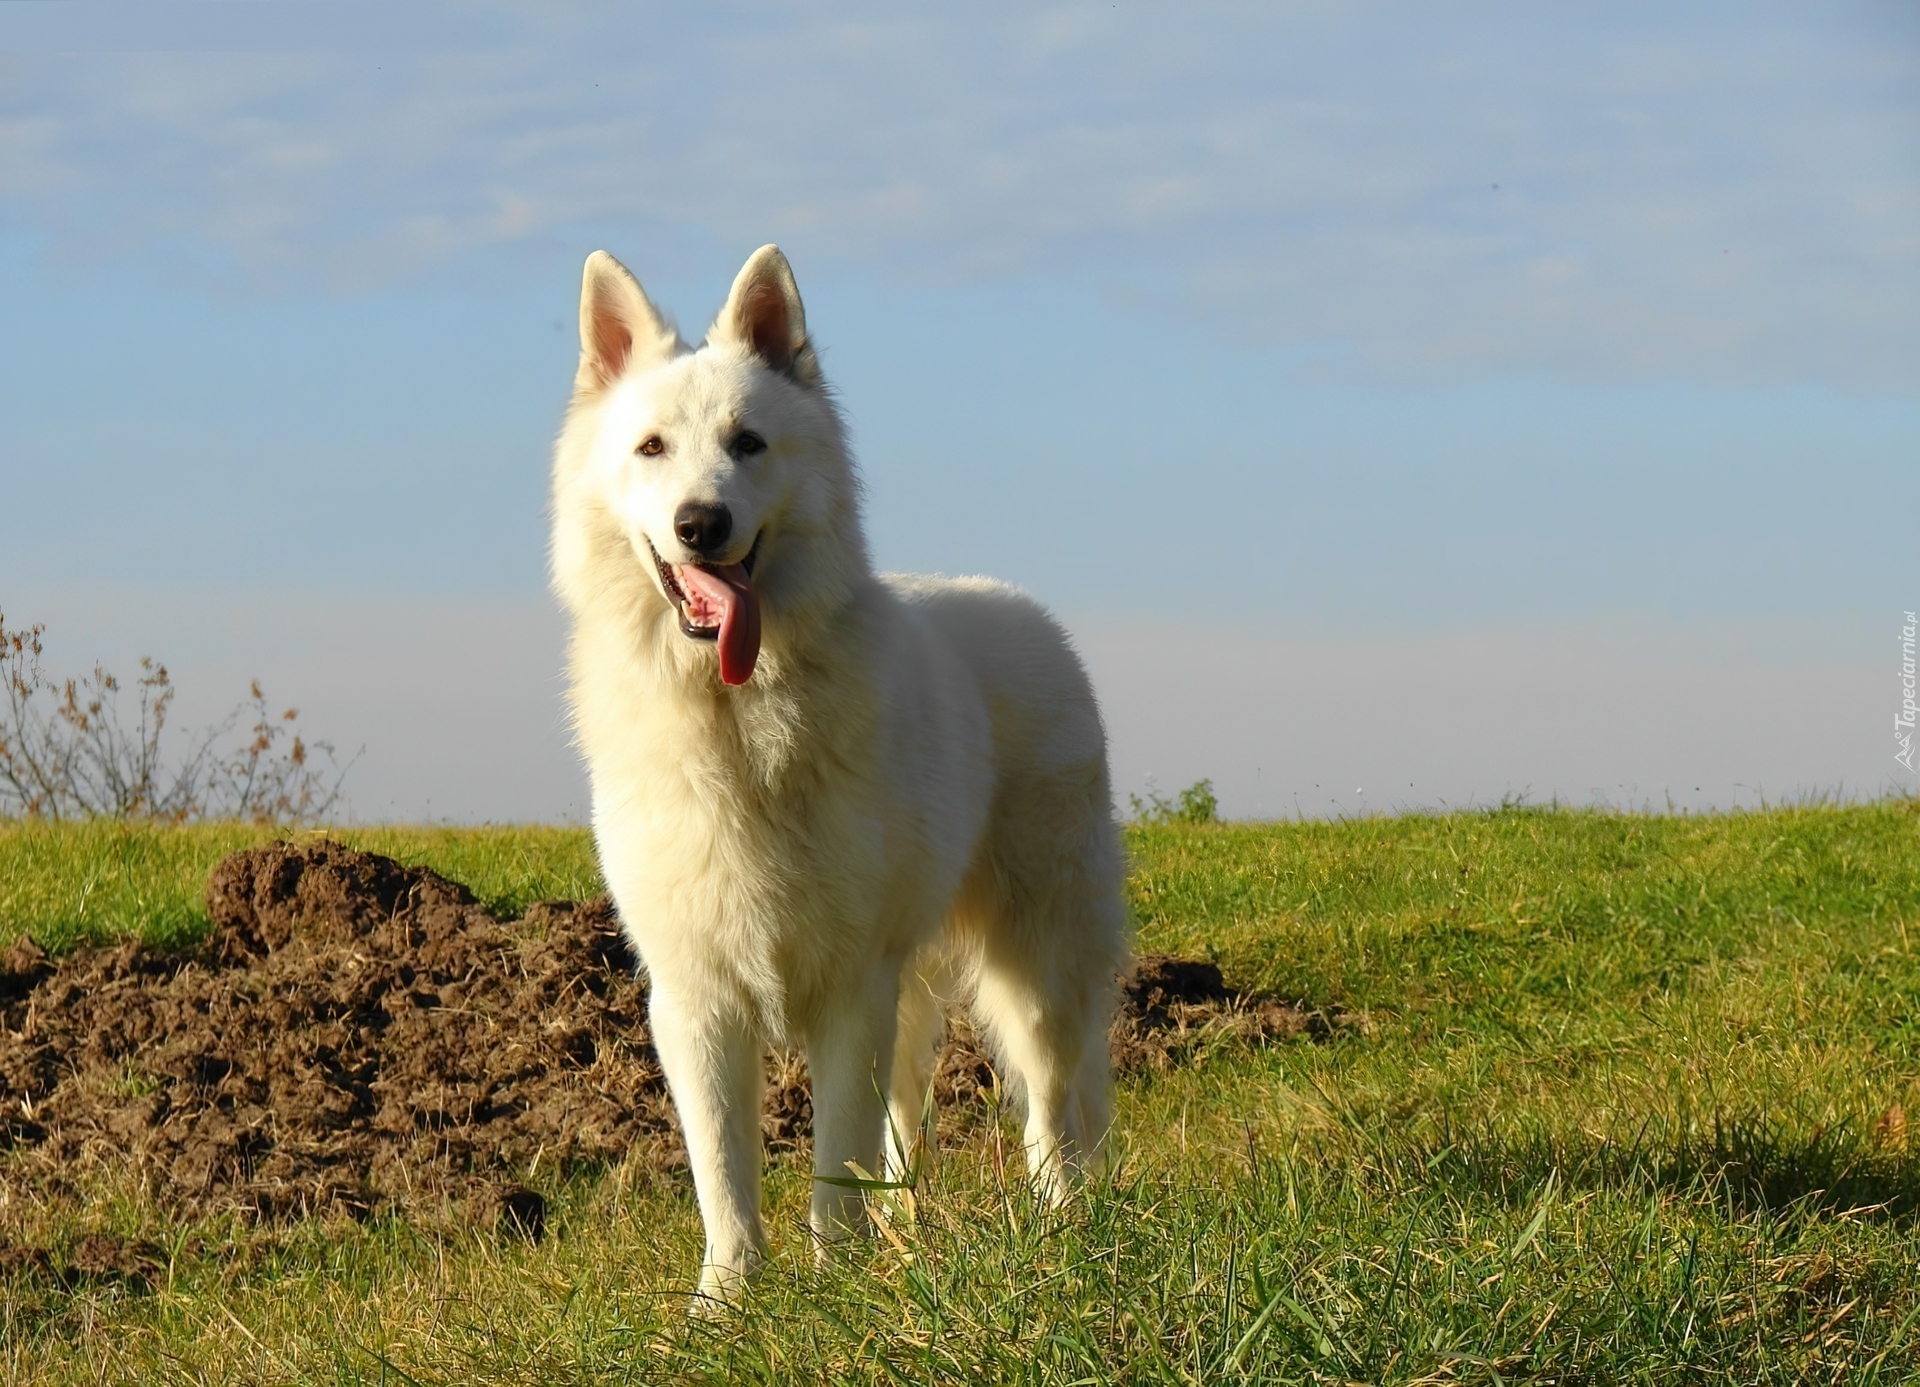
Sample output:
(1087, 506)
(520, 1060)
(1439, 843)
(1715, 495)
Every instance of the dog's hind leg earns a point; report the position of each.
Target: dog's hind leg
(1026, 1024)
(922, 1026)
(1093, 1096)
(850, 1054)
(713, 1071)
(1051, 943)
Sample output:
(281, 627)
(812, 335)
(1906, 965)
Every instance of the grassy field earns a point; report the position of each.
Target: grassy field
(1629, 1106)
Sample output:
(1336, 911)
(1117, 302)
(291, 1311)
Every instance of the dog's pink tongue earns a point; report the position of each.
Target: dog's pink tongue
(727, 592)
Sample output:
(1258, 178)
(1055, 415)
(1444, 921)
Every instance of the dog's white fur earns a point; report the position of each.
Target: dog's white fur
(908, 800)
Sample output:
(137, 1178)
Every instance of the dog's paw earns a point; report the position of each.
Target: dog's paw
(722, 1286)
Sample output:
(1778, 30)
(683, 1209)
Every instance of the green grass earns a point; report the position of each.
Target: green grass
(1623, 1110)
(98, 881)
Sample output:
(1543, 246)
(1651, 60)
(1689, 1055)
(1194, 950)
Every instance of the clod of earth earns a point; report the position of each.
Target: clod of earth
(96, 1259)
(359, 1035)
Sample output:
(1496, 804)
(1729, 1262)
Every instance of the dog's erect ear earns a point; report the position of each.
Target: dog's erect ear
(764, 312)
(617, 325)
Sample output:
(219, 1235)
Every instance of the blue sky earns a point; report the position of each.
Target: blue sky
(1493, 398)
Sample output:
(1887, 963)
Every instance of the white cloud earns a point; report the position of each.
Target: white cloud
(1604, 193)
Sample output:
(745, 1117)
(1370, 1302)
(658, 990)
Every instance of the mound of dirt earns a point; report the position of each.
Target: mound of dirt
(356, 1035)
(1174, 1010)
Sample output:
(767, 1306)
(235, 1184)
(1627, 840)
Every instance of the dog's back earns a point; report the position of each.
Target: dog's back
(1049, 748)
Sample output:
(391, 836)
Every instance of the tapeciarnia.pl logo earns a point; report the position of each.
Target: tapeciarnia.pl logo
(1903, 720)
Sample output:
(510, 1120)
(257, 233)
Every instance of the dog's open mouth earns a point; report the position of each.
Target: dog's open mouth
(717, 603)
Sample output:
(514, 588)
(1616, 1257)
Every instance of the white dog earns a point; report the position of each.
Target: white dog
(824, 800)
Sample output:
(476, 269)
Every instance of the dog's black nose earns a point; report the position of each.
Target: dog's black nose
(702, 528)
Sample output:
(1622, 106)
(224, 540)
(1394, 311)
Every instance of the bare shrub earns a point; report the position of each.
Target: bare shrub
(92, 747)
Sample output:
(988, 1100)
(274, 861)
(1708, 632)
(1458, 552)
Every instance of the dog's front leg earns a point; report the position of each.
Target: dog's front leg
(713, 1069)
(850, 1055)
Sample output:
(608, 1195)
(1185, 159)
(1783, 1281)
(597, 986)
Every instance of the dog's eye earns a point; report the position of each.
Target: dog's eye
(746, 443)
(651, 446)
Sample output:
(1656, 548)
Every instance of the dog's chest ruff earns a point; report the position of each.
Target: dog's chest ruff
(747, 859)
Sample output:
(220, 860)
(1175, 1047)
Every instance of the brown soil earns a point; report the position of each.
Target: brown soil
(358, 1035)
